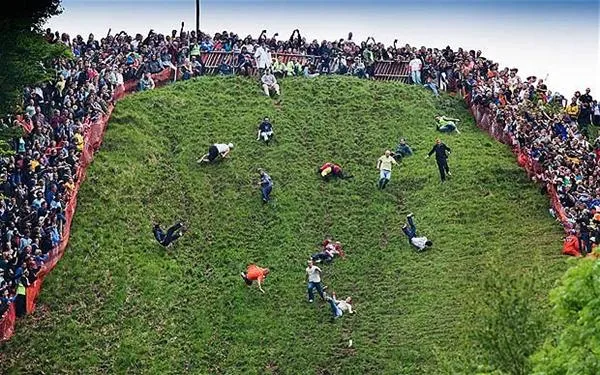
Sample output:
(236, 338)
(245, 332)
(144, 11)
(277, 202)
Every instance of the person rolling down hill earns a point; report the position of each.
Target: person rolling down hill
(313, 278)
(441, 157)
(446, 124)
(330, 251)
(384, 164)
(255, 273)
(330, 170)
(216, 150)
(265, 130)
(172, 234)
(339, 307)
(421, 243)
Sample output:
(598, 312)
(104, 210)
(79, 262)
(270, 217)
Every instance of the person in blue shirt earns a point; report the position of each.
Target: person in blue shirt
(225, 68)
(172, 234)
(266, 185)
(265, 130)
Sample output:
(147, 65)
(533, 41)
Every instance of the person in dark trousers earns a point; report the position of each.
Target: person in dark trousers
(266, 185)
(441, 157)
(330, 170)
(170, 236)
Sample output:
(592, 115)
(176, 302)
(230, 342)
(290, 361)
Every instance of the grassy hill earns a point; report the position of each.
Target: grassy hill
(118, 303)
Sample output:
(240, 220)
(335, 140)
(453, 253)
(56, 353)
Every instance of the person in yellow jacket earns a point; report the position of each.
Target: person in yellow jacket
(294, 68)
(78, 139)
(573, 110)
(279, 68)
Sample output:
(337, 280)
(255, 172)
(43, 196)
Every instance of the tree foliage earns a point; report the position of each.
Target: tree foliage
(24, 52)
(509, 325)
(574, 348)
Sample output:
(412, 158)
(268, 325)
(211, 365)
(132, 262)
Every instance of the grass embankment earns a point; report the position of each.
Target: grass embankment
(118, 303)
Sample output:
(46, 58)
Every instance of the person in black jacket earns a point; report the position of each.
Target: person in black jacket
(172, 234)
(441, 157)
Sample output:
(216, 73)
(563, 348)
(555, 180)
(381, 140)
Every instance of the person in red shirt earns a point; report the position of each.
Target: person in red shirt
(571, 245)
(255, 273)
(329, 170)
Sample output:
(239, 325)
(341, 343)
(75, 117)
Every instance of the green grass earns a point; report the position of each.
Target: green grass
(118, 303)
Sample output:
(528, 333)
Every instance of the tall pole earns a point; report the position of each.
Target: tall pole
(198, 19)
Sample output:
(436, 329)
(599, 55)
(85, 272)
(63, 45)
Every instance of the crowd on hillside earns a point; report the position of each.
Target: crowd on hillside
(38, 179)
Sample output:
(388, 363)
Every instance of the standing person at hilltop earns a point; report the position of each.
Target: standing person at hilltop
(441, 157)
(384, 165)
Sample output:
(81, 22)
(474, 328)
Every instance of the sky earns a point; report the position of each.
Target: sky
(558, 40)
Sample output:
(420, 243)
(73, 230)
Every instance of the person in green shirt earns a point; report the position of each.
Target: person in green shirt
(384, 164)
(446, 124)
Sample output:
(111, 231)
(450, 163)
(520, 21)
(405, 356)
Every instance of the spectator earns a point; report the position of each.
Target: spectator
(147, 83)
(415, 65)
(263, 58)
(224, 68)
(279, 68)
(269, 83)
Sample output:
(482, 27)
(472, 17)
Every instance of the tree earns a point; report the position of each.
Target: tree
(24, 52)
(509, 325)
(574, 348)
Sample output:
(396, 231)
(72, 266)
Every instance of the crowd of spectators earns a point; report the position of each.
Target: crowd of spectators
(37, 181)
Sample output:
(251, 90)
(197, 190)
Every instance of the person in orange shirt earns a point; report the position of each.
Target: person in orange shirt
(255, 273)
(571, 244)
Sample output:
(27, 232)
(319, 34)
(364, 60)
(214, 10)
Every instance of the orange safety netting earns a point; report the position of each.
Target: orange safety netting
(93, 135)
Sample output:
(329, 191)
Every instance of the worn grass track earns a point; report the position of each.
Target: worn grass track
(118, 303)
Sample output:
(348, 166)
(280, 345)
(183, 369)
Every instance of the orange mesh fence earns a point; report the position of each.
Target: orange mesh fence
(486, 120)
(7, 323)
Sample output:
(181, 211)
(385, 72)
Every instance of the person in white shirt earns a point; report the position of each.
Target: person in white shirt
(313, 277)
(215, 150)
(415, 69)
(263, 58)
(384, 165)
(269, 83)
(339, 307)
(421, 243)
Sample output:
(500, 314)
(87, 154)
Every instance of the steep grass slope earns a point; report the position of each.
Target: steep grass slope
(118, 303)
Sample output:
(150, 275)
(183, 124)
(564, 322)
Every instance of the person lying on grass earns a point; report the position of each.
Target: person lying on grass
(265, 130)
(266, 185)
(253, 272)
(330, 251)
(420, 243)
(338, 307)
(331, 170)
(446, 124)
(172, 234)
(216, 150)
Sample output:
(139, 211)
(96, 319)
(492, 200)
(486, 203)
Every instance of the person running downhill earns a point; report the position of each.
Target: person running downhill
(266, 185)
(253, 272)
(446, 124)
(313, 277)
(384, 164)
(216, 150)
(421, 243)
(441, 157)
(265, 130)
(172, 234)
